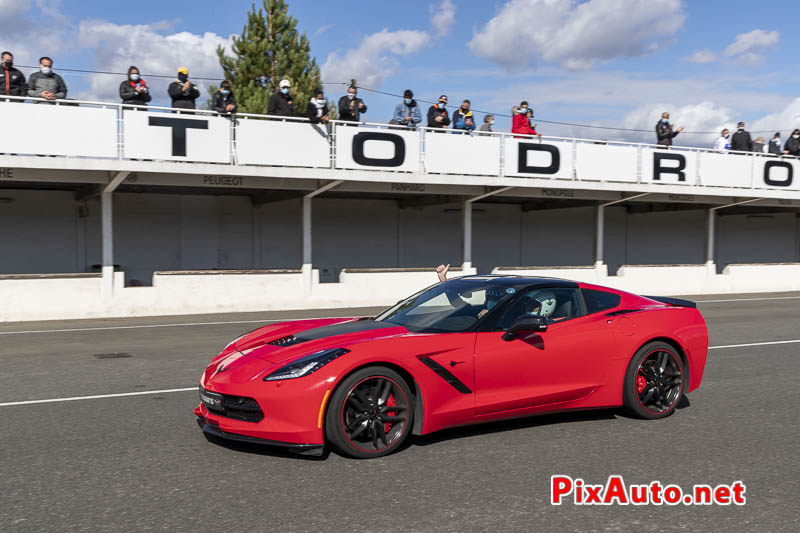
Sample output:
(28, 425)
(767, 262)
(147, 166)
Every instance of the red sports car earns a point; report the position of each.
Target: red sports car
(469, 350)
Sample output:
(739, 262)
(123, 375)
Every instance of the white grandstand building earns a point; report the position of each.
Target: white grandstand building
(111, 211)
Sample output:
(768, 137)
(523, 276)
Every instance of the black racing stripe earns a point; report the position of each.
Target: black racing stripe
(341, 328)
(446, 375)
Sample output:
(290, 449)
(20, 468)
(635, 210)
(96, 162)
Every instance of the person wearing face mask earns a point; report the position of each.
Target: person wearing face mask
(12, 81)
(134, 90)
(519, 119)
(741, 141)
(438, 116)
(351, 106)
(224, 101)
(774, 146)
(182, 91)
(792, 146)
(407, 113)
(46, 83)
(665, 131)
(488, 120)
(463, 118)
(317, 108)
(281, 103)
(723, 143)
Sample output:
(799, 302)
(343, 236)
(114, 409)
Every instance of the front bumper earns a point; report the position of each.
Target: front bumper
(211, 428)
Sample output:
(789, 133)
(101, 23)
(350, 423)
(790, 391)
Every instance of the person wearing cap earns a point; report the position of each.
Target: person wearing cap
(351, 106)
(437, 114)
(741, 141)
(407, 112)
(280, 103)
(182, 91)
(224, 101)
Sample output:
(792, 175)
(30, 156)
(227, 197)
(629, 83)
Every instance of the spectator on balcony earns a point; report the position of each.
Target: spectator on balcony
(463, 119)
(723, 143)
(182, 91)
(280, 103)
(317, 108)
(519, 119)
(775, 144)
(407, 112)
(741, 141)
(523, 122)
(438, 117)
(665, 131)
(351, 106)
(488, 120)
(12, 81)
(792, 146)
(46, 83)
(759, 146)
(224, 101)
(134, 90)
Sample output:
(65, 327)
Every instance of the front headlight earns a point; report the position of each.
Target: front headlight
(306, 365)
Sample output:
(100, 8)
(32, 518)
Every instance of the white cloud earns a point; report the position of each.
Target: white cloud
(444, 17)
(375, 58)
(152, 49)
(784, 120)
(703, 117)
(701, 56)
(576, 35)
(323, 29)
(32, 28)
(748, 48)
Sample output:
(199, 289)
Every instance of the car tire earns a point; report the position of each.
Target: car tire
(654, 382)
(370, 413)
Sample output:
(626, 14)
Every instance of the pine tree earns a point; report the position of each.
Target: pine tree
(269, 50)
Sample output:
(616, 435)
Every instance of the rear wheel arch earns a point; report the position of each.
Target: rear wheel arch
(419, 411)
(678, 348)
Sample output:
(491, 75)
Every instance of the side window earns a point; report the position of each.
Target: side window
(597, 301)
(554, 304)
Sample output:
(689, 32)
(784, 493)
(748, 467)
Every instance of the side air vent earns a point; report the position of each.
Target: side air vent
(284, 341)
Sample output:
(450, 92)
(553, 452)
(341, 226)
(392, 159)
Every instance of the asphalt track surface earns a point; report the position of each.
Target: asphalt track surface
(140, 462)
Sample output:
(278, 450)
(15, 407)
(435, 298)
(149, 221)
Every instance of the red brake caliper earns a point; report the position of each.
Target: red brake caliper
(641, 383)
(389, 402)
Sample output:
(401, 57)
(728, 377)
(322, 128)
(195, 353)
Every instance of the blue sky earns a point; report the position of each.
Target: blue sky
(614, 63)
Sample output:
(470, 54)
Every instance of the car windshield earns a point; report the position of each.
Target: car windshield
(449, 307)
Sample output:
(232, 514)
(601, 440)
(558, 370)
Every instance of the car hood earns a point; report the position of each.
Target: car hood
(290, 340)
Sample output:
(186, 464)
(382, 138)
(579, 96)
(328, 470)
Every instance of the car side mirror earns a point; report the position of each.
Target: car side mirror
(527, 323)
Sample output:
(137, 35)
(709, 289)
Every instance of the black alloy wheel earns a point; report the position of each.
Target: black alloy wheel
(654, 382)
(370, 413)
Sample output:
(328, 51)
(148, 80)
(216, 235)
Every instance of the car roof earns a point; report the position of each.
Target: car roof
(521, 282)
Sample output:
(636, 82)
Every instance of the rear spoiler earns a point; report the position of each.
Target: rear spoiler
(677, 302)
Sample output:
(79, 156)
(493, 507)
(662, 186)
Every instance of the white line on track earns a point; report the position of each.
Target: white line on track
(187, 389)
(99, 396)
(794, 341)
(747, 299)
(162, 325)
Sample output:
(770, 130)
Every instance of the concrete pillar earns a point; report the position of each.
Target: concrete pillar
(711, 219)
(466, 243)
(599, 229)
(306, 268)
(107, 227)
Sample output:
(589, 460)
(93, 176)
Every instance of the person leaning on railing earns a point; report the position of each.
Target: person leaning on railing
(224, 101)
(437, 114)
(46, 83)
(488, 120)
(12, 81)
(407, 112)
(182, 91)
(134, 90)
(317, 108)
(463, 119)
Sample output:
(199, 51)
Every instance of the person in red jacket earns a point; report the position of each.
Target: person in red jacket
(521, 122)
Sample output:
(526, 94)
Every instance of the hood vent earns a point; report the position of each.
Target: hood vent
(284, 341)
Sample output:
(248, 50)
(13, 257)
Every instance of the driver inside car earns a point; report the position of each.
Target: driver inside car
(459, 300)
